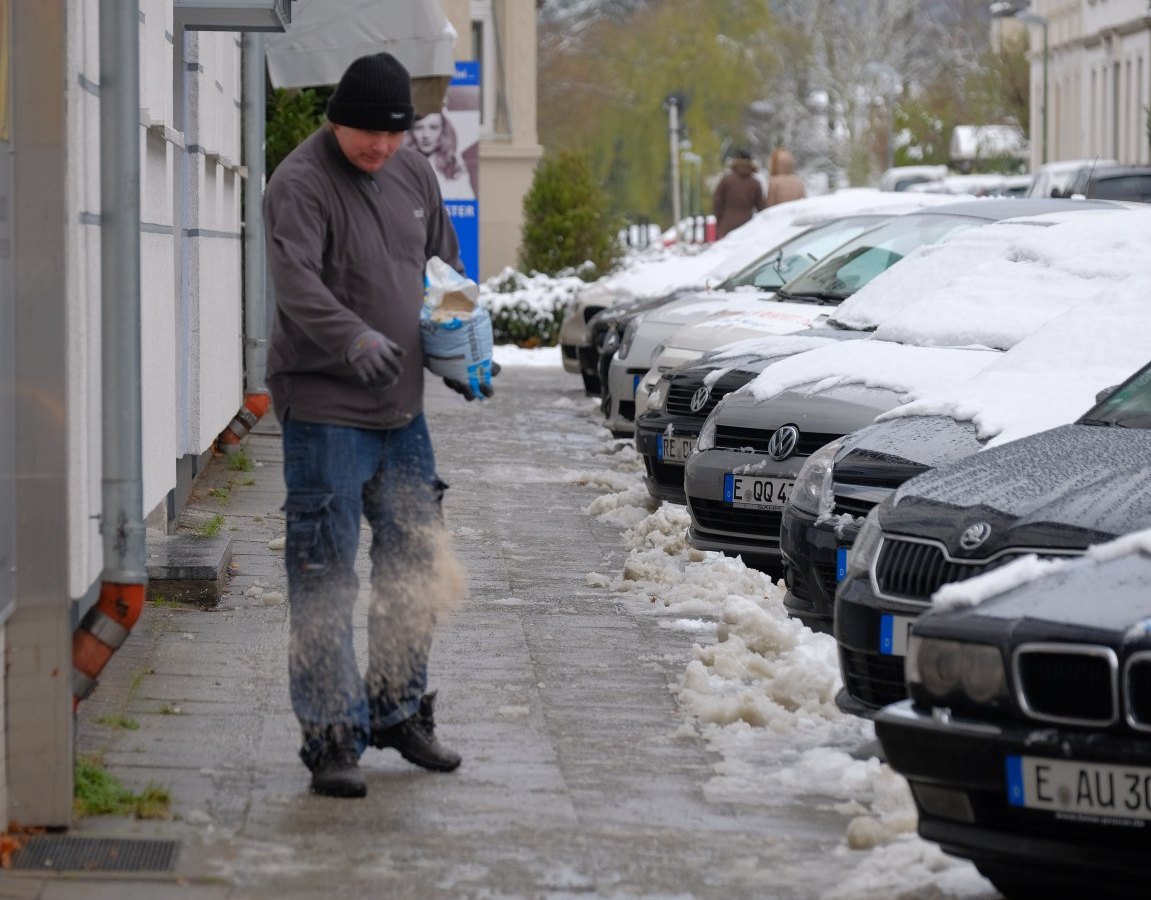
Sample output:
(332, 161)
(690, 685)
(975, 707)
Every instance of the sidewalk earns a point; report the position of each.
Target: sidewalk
(578, 777)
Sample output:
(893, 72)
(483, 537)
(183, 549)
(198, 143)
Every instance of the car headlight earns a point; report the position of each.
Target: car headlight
(865, 546)
(951, 669)
(625, 342)
(813, 484)
(706, 439)
(657, 396)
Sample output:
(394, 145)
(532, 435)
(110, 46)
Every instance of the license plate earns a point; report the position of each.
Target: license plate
(841, 563)
(1086, 789)
(893, 631)
(755, 492)
(635, 380)
(674, 449)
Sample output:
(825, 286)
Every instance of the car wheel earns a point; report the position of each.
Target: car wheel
(591, 384)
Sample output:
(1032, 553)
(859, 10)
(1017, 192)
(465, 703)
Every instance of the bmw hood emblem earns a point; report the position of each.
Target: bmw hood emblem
(783, 442)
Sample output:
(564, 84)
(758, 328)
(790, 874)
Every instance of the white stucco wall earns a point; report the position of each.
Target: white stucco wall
(212, 240)
(82, 268)
(190, 317)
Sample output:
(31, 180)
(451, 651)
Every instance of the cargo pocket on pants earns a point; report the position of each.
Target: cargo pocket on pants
(310, 548)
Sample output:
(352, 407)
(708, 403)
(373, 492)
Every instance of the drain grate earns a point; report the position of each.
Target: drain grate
(77, 854)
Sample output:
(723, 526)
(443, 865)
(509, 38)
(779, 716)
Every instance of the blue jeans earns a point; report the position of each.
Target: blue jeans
(335, 475)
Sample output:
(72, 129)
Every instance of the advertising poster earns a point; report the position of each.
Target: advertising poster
(451, 142)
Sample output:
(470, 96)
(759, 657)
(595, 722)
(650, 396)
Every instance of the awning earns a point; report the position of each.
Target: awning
(326, 35)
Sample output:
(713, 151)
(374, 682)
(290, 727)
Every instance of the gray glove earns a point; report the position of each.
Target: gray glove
(376, 359)
(485, 386)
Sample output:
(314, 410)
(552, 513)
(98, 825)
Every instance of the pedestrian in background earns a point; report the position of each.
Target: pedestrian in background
(783, 184)
(351, 218)
(738, 196)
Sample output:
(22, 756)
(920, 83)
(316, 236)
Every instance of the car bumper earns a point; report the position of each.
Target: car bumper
(811, 556)
(619, 398)
(717, 524)
(872, 675)
(957, 769)
(664, 480)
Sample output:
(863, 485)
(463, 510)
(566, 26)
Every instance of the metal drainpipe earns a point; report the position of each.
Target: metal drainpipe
(125, 576)
(256, 398)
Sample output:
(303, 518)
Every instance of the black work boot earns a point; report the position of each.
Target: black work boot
(336, 772)
(415, 738)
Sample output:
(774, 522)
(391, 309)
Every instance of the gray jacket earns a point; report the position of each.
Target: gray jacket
(346, 252)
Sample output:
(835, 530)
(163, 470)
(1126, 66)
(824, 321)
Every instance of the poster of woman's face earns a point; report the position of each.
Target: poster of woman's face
(450, 141)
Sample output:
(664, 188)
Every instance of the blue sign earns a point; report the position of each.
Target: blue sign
(461, 191)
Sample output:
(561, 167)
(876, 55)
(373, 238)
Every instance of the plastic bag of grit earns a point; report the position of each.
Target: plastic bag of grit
(456, 328)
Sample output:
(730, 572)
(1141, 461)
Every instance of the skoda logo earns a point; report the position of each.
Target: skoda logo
(699, 398)
(783, 441)
(974, 535)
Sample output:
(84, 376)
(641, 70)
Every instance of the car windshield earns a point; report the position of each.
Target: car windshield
(1128, 407)
(791, 259)
(857, 262)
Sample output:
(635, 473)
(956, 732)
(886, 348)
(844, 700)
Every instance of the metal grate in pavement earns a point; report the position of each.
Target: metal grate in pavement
(54, 853)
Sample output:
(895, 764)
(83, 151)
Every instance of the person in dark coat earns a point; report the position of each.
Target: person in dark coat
(738, 196)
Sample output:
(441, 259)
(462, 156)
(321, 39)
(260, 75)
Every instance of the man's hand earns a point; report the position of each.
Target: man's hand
(376, 359)
(485, 386)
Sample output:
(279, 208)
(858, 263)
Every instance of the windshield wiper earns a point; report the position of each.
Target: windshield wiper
(822, 297)
(1102, 423)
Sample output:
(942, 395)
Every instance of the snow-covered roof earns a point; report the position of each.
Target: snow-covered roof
(970, 142)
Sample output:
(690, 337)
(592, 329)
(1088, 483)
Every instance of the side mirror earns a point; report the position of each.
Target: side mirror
(1105, 393)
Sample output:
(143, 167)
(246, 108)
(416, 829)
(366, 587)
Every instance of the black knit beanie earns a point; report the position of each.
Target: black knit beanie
(375, 94)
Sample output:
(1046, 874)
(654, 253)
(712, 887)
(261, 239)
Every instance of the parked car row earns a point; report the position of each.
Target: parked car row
(922, 433)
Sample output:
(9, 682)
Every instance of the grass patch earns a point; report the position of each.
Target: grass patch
(212, 527)
(161, 600)
(246, 482)
(119, 721)
(99, 793)
(169, 710)
(138, 679)
(240, 461)
(222, 494)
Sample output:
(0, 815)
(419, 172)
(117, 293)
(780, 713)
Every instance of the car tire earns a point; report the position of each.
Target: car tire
(591, 384)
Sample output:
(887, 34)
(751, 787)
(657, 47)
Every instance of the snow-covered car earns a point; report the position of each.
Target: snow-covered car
(1050, 495)
(759, 436)
(831, 281)
(1027, 737)
(1050, 376)
(665, 435)
(1051, 179)
(749, 295)
(751, 448)
(680, 269)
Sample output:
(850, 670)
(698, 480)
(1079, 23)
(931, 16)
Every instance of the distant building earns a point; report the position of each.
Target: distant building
(1098, 79)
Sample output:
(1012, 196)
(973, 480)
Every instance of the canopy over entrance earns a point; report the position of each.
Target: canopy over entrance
(326, 35)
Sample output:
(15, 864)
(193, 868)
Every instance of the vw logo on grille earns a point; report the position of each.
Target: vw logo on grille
(974, 535)
(699, 398)
(783, 441)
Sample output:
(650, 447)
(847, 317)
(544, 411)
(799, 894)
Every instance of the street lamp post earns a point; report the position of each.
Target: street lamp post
(1008, 10)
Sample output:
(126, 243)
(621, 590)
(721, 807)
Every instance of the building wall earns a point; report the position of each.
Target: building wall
(509, 146)
(1099, 79)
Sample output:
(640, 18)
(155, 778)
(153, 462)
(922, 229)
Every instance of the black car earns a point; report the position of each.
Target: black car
(1131, 183)
(1052, 494)
(1027, 736)
(865, 469)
